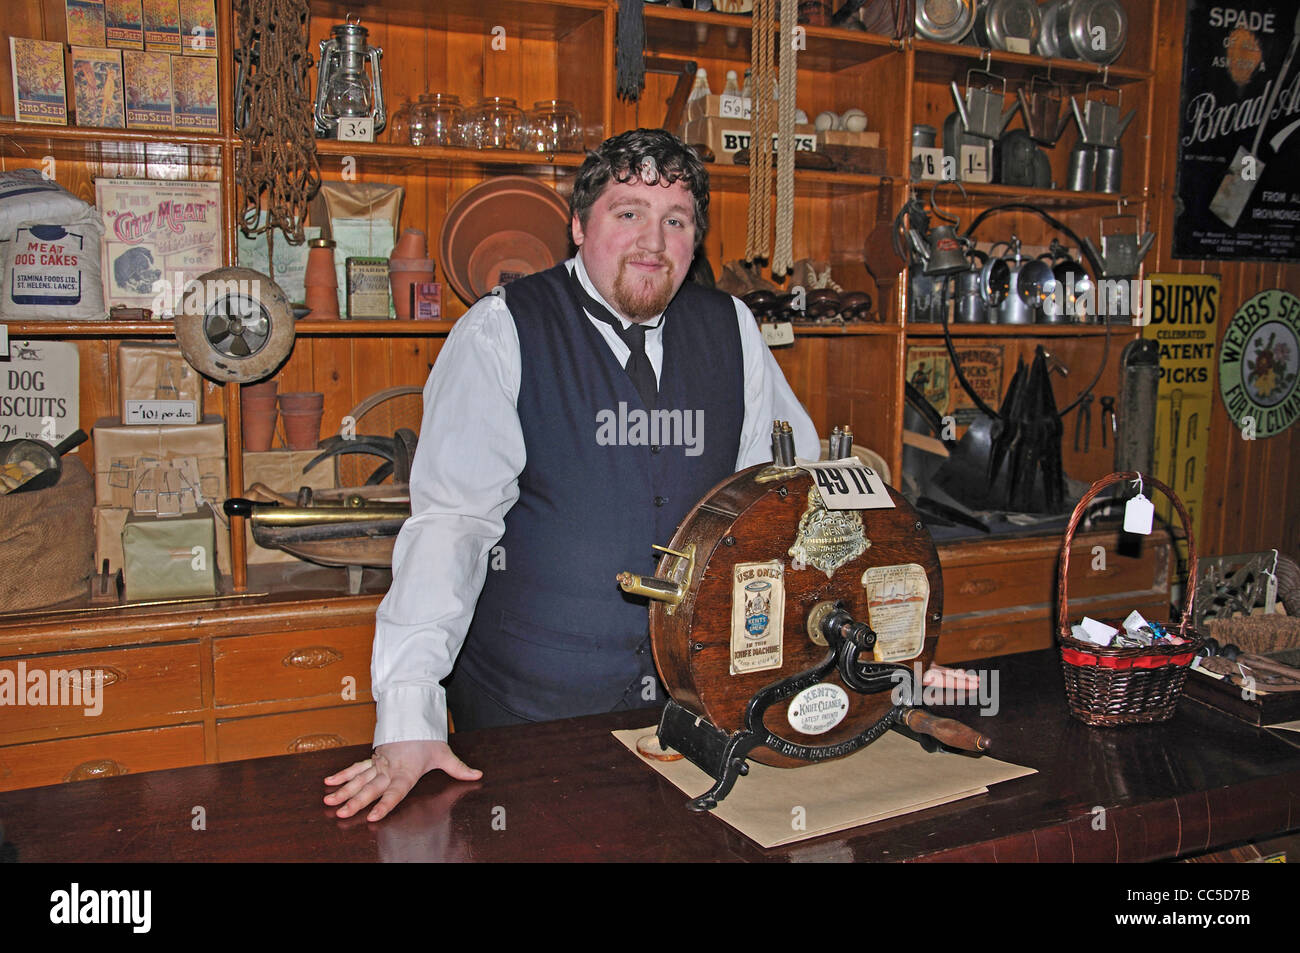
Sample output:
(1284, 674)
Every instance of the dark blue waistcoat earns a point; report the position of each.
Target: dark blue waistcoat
(553, 636)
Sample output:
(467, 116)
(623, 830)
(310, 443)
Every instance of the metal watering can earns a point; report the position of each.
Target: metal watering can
(1099, 121)
(1121, 252)
(1042, 111)
(981, 112)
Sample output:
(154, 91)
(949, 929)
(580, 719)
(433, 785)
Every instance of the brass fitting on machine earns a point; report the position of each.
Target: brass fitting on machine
(670, 590)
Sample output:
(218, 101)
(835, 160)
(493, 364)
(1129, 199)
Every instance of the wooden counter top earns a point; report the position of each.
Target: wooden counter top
(567, 791)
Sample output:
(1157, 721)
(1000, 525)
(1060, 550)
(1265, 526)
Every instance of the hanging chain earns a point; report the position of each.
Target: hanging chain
(278, 171)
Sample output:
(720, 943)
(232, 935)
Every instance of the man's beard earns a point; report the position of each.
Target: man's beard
(643, 297)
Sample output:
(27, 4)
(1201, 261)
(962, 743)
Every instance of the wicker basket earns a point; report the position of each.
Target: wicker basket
(1124, 686)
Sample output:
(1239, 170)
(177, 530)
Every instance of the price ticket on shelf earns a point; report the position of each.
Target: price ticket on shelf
(848, 485)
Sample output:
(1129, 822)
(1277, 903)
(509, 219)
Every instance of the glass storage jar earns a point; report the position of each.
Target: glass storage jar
(553, 125)
(436, 120)
(497, 122)
(399, 124)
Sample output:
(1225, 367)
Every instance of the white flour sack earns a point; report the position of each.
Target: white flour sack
(27, 196)
(51, 272)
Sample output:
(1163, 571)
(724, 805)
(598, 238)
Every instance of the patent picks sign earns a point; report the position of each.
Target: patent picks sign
(1259, 364)
(1184, 320)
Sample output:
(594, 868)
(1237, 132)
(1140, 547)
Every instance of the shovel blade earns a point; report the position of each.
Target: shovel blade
(1236, 188)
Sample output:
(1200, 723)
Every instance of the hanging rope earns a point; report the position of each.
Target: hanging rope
(277, 169)
(783, 258)
(762, 124)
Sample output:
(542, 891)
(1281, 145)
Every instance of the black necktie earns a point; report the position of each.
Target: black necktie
(638, 365)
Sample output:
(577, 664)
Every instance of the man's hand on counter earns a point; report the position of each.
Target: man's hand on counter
(390, 773)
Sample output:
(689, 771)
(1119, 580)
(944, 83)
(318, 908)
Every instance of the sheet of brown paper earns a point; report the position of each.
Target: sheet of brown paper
(122, 453)
(149, 371)
(891, 776)
(282, 471)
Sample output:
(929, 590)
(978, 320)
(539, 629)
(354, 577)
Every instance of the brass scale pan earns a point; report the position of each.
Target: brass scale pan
(764, 515)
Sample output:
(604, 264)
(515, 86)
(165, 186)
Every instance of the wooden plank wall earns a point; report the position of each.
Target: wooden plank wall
(1252, 499)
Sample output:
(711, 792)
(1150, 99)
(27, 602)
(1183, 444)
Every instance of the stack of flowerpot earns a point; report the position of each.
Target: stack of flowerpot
(301, 413)
(257, 414)
(320, 282)
(408, 266)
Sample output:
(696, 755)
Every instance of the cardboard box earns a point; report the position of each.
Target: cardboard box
(157, 236)
(148, 89)
(842, 137)
(194, 94)
(40, 94)
(98, 87)
(198, 27)
(162, 26)
(169, 558)
(85, 19)
(109, 522)
(124, 24)
(282, 471)
(126, 455)
(719, 107)
(156, 385)
(727, 136)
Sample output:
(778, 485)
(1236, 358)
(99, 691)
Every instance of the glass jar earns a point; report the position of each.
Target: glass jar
(436, 120)
(553, 125)
(497, 123)
(399, 124)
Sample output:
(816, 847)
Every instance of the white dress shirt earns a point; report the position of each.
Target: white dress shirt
(465, 478)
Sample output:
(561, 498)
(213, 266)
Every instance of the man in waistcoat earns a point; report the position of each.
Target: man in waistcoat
(571, 421)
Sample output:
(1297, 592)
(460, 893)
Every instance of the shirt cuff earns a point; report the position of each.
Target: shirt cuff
(411, 713)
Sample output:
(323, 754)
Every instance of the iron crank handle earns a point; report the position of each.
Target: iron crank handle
(952, 733)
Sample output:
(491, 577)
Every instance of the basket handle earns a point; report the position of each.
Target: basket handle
(1077, 515)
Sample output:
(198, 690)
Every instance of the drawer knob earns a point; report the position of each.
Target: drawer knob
(87, 770)
(111, 675)
(313, 656)
(315, 743)
(977, 587)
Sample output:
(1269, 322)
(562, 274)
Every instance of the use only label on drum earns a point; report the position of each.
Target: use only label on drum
(757, 616)
(848, 485)
(897, 598)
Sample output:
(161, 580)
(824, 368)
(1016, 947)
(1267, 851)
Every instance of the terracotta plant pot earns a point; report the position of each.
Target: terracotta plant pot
(320, 281)
(302, 429)
(266, 388)
(257, 421)
(413, 244)
(299, 402)
(403, 275)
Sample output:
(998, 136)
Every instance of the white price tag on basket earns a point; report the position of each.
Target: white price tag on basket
(1138, 515)
(848, 485)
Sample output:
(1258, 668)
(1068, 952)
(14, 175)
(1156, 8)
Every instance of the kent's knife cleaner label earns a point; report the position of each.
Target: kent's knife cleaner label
(757, 616)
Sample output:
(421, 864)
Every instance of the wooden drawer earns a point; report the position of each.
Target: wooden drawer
(310, 666)
(295, 732)
(144, 686)
(994, 575)
(81, 759)
(1002, 633)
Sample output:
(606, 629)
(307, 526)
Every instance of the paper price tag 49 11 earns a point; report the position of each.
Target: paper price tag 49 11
(356, 129)
(849, 485)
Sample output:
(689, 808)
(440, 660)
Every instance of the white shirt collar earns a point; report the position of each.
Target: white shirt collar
(583, 279)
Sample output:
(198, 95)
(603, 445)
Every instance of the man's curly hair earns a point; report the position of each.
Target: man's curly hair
(650, 155)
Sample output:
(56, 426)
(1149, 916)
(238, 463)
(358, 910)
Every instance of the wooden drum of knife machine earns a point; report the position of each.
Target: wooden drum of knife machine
(714, 650)
(380, 415)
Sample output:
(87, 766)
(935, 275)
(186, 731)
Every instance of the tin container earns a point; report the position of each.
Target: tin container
(1082, 168)
(1110, 169)
(1000, 22)
(946, 21)
(1092, 30)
